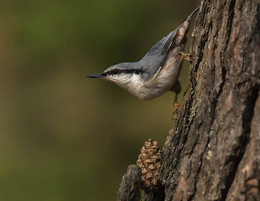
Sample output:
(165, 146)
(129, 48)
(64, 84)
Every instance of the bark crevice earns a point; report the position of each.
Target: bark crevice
(245, 137)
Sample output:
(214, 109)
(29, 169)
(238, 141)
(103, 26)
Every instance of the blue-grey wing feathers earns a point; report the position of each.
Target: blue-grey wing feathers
(156, 56)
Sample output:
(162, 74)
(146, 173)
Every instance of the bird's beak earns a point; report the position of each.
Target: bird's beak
(99, 75)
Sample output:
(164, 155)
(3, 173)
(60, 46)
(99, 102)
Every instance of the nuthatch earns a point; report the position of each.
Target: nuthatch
(158, 71)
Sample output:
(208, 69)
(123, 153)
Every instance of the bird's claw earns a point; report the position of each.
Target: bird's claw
(175, 114)
(188, 57)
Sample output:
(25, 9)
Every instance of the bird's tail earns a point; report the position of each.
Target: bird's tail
(179, 35)
(193, 12)
(182, 30)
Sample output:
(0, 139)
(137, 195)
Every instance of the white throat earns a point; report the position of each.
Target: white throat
(131, 82)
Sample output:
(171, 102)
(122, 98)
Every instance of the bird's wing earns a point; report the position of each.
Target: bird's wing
(169, 39)
(157, 55)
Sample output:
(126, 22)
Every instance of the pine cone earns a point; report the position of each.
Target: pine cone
(149, 164)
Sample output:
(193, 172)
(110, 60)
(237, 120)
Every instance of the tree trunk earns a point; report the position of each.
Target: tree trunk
(213, 149)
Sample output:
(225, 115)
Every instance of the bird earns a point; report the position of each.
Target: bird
(158, 71)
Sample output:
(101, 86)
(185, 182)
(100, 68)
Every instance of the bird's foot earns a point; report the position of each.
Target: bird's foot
(176, 88)
(186, 56)
(175, 114)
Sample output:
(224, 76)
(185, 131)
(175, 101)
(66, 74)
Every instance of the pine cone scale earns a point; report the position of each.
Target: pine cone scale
(149, 165)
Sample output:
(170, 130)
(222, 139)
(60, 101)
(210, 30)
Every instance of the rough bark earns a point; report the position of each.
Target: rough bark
(129, 189)
(213, 150)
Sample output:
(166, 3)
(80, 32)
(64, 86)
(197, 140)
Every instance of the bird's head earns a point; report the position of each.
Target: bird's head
(124, 74)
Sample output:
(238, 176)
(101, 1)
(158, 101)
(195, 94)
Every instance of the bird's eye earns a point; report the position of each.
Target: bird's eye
(137, 72)
(115, 71)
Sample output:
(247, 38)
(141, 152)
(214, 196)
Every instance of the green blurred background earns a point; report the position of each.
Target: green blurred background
(64, 137)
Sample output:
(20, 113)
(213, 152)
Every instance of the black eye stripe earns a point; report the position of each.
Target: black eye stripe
(119, 71)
